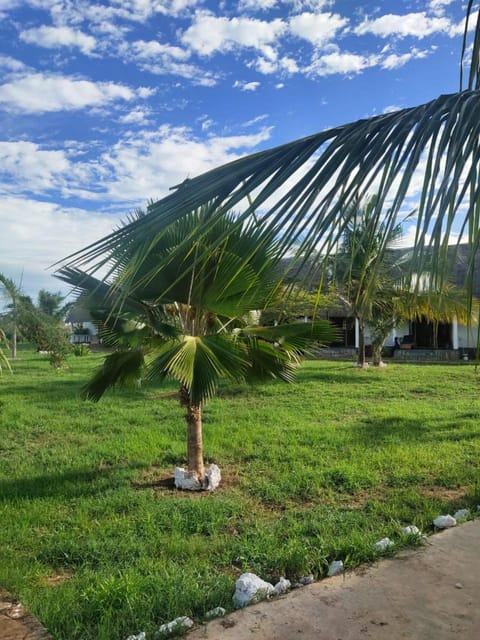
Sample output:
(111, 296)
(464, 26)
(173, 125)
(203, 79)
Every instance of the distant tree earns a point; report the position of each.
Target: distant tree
(14, 297)
(50, 303)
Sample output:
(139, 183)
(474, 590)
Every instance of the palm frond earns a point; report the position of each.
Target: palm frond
(295, 337)
(338, 167)
(119, 368)
(198, 363)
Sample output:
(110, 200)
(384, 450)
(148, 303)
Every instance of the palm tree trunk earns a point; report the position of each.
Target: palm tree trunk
(361, 343)
(377, 354)
(14, 342)
(194, 435)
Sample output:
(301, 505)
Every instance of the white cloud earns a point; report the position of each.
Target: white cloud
(141, 166)
(140, 11)
(281, 65)
(340, 62)
(438, 6)
(41, 93)
(165, 59)
(254, 5)
(209, 34)
(27, 167)
(137, 116)
(418, 25)
(317, 28)
(395, 61)
(34, 234)
(56, 37)
(152, 49)
(11, 64)
(391, 108)
(246, 86)
(297, 5)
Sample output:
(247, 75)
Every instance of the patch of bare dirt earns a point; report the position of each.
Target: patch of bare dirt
(449, 495)
(56, 579)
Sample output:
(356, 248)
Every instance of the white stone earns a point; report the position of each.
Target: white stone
(282, 586)
(249, 589)
(306, 580)
(139, 636)
(218, 612)
(187, 480)
(212, 477)
(179, 624)
(335, 568)
(411, 530)
(444, 522)
(461, 514)
(383, 544)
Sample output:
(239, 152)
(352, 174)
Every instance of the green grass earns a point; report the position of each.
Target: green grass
(97, 548)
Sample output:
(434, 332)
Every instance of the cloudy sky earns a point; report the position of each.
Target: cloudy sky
(106, 104)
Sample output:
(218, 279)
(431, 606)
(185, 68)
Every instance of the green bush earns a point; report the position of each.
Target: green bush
(81, 350)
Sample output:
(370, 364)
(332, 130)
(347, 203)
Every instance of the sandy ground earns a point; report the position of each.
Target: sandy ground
(425, 594)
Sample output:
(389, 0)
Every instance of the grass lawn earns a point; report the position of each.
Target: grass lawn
(98, 548)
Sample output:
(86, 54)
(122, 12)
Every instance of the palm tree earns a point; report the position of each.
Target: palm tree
(364, 268)
(14, 296)
(189, 321)
(436, 144)
(3, 358)
(400, 302)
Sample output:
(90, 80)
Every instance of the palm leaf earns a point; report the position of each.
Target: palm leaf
(340, 166)
(295, 337)
(198, 363)
(119, 368)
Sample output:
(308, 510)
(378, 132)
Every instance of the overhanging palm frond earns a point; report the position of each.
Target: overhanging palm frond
(437, 140)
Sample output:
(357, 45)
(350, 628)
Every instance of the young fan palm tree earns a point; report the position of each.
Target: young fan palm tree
(189, 321)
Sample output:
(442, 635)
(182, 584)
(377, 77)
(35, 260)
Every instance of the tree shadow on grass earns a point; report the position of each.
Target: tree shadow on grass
(68, 390)
(372, 432)
(69, 484)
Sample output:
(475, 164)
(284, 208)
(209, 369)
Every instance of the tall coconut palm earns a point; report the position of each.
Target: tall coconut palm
(185, 315)
(302, 188)
(365, 267)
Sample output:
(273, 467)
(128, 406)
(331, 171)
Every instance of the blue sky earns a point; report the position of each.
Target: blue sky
(105, 105)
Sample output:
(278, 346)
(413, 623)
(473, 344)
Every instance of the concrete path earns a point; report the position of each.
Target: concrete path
(431, 593)
(18, 624)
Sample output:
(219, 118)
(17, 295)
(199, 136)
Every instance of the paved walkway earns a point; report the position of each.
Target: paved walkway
(18, 624)
(431, 593)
